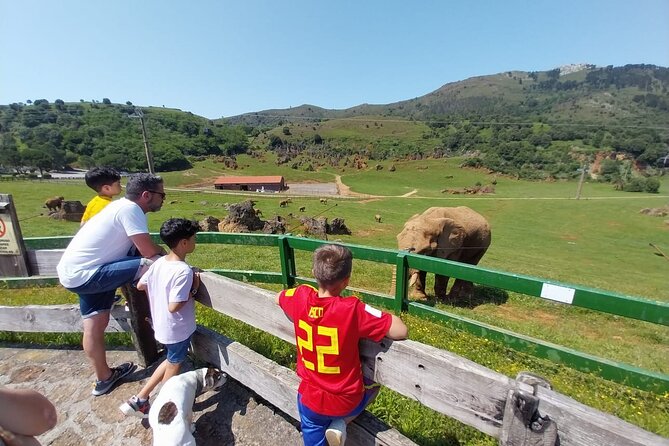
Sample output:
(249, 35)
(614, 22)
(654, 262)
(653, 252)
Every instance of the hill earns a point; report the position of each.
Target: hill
(535, 125)
(629, 94)
(46, 136)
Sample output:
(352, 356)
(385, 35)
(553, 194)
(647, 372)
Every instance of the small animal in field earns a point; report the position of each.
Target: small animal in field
(171, 414)
(290, 214)
(377, 218)
(303, 208)
(258, 213)
(324, 201)
(283, 203)
(54, 204)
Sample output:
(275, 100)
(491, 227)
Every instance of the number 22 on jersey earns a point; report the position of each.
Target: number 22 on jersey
(321, 350)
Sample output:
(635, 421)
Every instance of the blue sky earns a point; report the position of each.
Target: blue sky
(222, 58)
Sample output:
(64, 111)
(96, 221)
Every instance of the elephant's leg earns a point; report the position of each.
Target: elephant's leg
(419, 285)
(440, 285)
(461, 288)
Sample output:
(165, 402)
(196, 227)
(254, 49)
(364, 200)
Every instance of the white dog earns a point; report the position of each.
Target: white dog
(171, 413)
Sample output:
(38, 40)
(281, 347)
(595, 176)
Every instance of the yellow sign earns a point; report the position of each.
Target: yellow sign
(8, 245)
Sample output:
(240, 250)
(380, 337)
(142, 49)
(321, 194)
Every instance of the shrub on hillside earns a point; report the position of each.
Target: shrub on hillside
(640, 184)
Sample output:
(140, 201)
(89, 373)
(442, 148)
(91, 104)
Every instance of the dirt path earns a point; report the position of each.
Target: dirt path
(232, 416)
(346, 191)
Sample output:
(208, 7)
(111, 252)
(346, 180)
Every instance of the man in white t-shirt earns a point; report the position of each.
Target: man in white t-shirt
(101, 257)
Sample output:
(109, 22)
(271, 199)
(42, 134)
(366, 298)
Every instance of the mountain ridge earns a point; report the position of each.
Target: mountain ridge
(511, 93)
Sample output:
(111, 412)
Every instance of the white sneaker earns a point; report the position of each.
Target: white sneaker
(335, 434)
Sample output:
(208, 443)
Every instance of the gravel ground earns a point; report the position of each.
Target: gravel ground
(232, 416)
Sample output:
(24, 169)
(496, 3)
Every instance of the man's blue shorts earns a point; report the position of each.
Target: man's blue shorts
(176, 353)
(314, 424)
(97, 294)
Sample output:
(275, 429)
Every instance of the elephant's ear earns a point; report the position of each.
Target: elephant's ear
(452, 235)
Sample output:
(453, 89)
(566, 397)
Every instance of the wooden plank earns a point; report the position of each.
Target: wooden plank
(55, 319)
(278, 385)
(438, 379)
(246, 303)
(43, 262)
(142, 333)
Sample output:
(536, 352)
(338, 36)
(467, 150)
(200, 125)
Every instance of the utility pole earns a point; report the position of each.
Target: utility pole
(580, 181)
(147, 150)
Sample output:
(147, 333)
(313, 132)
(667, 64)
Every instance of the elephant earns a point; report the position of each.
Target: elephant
(453, 233)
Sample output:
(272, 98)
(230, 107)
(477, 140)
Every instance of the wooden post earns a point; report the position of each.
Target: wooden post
(580, 181)
(142, 331)
(13, 258)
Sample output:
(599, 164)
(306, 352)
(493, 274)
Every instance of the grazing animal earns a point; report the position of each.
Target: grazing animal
(283, 203)
(377, 218)
(54, 204)
(324, 201)
(453, 233)
(303, 208)
(171, 414)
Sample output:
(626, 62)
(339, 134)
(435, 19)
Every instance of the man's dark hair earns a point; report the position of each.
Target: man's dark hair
(332, 263)
(139, 183)
(176, 229)
(101, 176)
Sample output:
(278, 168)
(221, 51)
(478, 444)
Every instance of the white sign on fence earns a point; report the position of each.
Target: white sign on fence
(557, 293)
(8, 244)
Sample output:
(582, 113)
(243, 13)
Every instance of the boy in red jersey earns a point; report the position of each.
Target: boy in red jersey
(327, 330)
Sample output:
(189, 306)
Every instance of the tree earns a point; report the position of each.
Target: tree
(106, 101)
(37, 159)
(286, 130)
(9, 154)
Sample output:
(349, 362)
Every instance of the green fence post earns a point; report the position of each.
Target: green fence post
(287, 255)
(401, 282)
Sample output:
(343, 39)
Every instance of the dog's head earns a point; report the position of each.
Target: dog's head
(212, 378)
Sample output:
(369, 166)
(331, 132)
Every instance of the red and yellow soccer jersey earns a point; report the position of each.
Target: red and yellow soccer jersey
(327, 331)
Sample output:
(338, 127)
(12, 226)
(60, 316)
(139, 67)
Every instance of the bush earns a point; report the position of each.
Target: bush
(652, 185)
(635, 185)
(640, 184)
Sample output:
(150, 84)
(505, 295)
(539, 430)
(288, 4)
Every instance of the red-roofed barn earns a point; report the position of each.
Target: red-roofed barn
(251, 183)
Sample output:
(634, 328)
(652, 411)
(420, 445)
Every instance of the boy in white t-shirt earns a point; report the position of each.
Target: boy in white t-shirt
(170, 285)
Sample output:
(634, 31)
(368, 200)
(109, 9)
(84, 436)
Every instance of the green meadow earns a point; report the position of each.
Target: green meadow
(539, 229)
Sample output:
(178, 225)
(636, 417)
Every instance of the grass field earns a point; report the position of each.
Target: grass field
(538, 229)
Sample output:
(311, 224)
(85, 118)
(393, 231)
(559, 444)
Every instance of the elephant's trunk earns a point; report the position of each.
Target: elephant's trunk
(413, 277)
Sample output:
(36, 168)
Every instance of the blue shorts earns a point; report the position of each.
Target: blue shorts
(314, 424)
(176, 353)
(97, 294)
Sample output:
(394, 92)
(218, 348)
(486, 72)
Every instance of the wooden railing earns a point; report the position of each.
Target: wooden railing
(43, 258)
(438, 379)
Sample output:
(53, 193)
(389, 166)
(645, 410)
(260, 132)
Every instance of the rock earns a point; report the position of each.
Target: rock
(313, 226)
(275, 226)
(70, 211)
(338, 227)
(209, 224)
(242, 215)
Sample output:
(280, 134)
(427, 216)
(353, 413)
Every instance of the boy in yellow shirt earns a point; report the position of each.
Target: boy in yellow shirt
(106, 181)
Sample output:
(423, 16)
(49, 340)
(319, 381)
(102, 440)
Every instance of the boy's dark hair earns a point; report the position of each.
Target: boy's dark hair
(139, 183)
(332, 263)
(176, 229)
(101, 176)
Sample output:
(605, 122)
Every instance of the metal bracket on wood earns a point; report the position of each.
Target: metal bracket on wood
(522, 424)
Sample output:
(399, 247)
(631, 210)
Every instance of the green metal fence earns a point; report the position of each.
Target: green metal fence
(603, 301)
